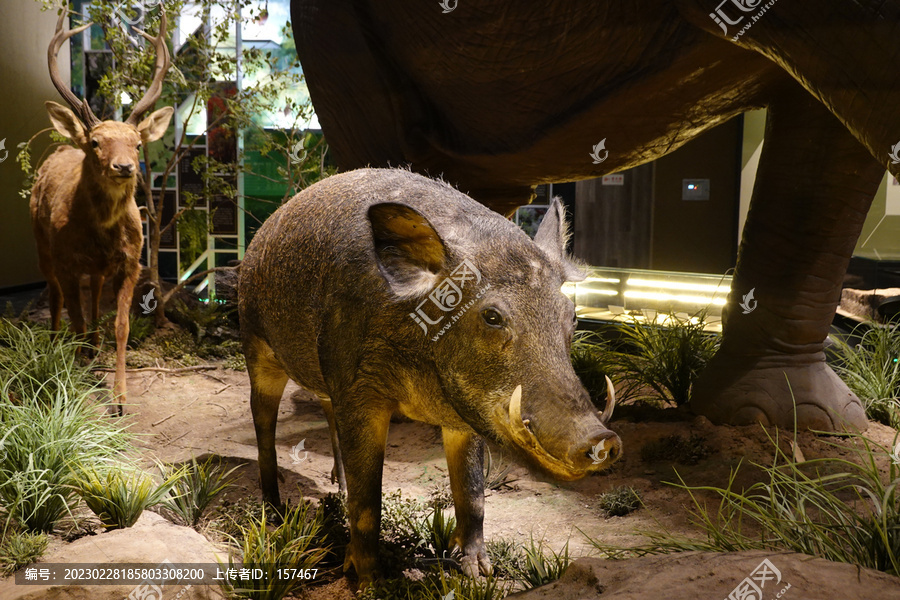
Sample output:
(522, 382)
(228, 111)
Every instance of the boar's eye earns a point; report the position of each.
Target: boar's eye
(95, 144)
(492, 317)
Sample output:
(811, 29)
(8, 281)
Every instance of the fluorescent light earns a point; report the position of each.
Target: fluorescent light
(675, 297)
(679, 285)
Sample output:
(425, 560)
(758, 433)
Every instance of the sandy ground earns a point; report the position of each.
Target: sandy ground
(203, 413)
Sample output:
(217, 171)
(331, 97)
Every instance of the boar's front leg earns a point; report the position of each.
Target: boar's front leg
(362, 426)
(465, 460)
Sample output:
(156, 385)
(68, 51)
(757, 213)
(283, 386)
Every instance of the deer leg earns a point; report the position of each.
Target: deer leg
(56, 302)
(71, 290)
(96, 290)
(124, 291)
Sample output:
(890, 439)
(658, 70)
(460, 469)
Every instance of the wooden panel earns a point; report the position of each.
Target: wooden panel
(613, 223)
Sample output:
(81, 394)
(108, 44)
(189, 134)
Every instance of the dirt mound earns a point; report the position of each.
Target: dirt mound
(755, 575)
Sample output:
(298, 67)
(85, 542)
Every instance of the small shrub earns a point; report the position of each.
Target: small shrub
(592, 360)
(36, 362)
(48, 437)
(435, 584)
(871, 369)
(234, 519)
(620, 501)
(839, 509)
(666, 355)
(290, 545)
(118, 496)
(140, 329)
(497, 476)
(438, 529)
(18, 549)
(543, 565)
(192, 494)
(676, 448)
(506, 557)
(403, 531)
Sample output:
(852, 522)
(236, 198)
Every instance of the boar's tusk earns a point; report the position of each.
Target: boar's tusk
(515, 406)
(607, 413)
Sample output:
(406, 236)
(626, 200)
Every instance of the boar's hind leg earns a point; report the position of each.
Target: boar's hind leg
(465, 459)
(337, 471)
(267, 381)
(362, 428)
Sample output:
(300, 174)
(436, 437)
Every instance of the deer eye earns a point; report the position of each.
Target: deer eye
(492, 317)
(95, 144)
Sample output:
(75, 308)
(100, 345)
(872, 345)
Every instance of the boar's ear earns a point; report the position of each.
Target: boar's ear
(409, 251)
(551, 237)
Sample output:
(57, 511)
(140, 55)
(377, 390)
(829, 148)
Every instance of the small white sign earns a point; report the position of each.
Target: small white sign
(617, 179)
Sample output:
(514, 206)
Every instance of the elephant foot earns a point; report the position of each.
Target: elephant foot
(729, 391)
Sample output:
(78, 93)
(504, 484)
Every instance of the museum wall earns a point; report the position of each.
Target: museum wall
(25, 32)
(698, 235)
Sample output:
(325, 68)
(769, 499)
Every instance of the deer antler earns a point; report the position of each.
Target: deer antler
(81, 107)
(162, 65)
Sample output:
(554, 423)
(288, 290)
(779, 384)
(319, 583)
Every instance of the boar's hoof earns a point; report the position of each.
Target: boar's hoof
(474, 565)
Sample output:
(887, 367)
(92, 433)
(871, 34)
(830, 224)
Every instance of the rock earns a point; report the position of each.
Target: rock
(714, 575)
(865, 303)
(151, 541)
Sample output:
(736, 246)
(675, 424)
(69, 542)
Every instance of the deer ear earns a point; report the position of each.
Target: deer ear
(552, 236)
(65, 122)
(409, 252)
(154, 127)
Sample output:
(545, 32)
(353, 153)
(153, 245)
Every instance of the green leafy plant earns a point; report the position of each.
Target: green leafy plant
(438, 529)
(287, 549)
(666, 355)
(191, 494)
(506, 557)
(871, 369)
(593, 359)
(18, 549)
(620, 501)
(47, 438)
(543, 565)
(37, 363)
(836, 508)
(497, 475)
(119, 495)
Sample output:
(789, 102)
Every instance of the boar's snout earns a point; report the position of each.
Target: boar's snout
(602, 450)
(590, 451)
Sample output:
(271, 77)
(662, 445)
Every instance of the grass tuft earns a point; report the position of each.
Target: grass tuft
(192, 494)
(620, 501)
(119, 495)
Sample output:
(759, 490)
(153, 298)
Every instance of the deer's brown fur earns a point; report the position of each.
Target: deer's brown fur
(83, 212)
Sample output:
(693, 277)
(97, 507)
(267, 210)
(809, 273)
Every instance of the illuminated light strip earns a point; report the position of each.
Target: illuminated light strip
(675, 297)
(679, 285)
(600, 280)
(600, 292)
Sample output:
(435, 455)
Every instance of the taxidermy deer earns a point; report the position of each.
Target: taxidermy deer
(83, 212)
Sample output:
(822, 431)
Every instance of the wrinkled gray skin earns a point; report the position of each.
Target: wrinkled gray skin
(326, 291)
